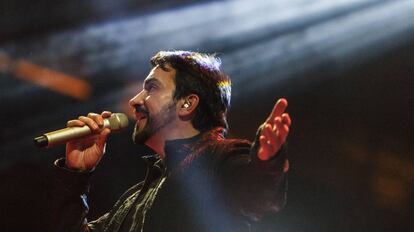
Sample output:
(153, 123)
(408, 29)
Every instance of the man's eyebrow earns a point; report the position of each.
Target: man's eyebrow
(151, 80)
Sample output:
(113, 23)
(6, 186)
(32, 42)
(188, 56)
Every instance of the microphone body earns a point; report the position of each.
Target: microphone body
(116, 122)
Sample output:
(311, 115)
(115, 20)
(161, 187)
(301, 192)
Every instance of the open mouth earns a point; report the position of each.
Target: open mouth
(139, 117)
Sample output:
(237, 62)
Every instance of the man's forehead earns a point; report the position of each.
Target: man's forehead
(158, 74)
(151, 75)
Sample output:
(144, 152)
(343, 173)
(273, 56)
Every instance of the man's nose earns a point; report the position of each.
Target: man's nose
(137, 100)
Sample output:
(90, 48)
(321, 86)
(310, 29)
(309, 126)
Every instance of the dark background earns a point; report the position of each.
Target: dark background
(345, 67)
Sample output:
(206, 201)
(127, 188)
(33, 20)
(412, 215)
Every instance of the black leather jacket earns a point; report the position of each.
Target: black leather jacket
(205, 183)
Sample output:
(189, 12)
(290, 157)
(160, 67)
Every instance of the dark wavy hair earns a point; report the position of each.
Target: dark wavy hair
(200, 74)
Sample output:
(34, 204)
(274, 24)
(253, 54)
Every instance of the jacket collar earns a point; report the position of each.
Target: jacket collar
(177, 150)
(175, 153)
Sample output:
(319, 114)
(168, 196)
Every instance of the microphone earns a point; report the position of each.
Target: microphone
(116, 122)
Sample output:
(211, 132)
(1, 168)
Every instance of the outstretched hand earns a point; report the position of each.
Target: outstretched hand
(274, 131)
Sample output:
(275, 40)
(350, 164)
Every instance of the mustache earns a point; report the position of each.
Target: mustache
(140, 109)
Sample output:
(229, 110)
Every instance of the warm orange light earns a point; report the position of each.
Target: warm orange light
(56, 81)
(53, 80)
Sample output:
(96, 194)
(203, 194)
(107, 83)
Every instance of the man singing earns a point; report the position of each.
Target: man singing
(199, 180)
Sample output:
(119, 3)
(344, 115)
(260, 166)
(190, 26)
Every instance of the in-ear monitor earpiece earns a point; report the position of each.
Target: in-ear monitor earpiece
(187, 104)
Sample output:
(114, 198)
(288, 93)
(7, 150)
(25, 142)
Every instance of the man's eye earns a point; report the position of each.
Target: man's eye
(150, 88)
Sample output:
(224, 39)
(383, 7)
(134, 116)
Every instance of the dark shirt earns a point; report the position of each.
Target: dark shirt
(205, 183)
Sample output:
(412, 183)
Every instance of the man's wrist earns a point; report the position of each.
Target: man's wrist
(75, 182)
(63, 164)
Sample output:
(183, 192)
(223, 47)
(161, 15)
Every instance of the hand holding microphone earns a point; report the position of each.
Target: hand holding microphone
(85, 137)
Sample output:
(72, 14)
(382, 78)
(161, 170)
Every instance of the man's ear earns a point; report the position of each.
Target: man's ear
(187, 105)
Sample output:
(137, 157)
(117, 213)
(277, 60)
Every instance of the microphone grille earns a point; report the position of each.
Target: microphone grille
(118, 121)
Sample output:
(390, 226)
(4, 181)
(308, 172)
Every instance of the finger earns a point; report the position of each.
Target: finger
(276, 122)
(106, 114)
(90, 123)
(286, 119)
(264, 149)
(278, 109)
(75, 123)
(97, 118)
(271, 137)
(282, 132)
(102, 138)
(264, 142)
(277, 134)
(279, 124)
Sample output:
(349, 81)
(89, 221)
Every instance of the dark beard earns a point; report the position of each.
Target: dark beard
(142, 136)
(154, 123)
